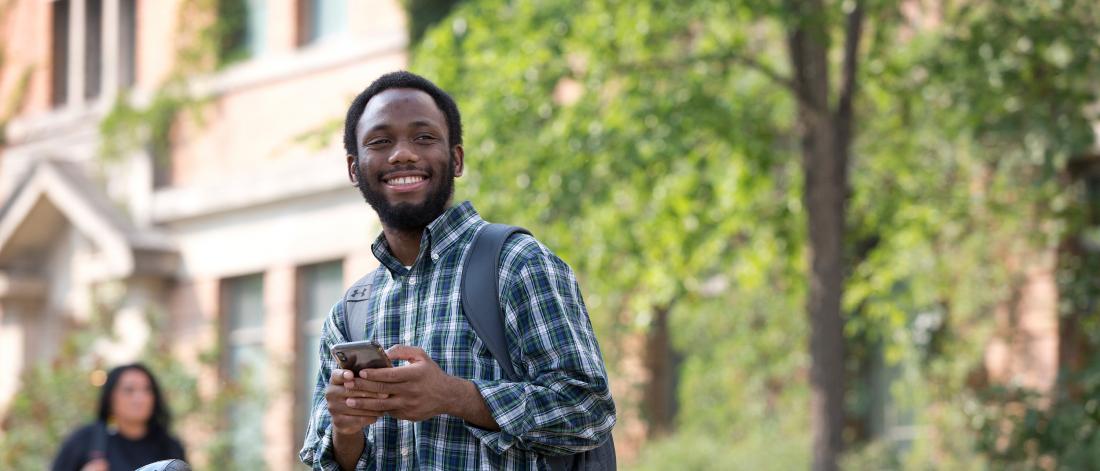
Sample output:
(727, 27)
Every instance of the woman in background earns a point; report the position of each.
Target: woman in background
(131, 430)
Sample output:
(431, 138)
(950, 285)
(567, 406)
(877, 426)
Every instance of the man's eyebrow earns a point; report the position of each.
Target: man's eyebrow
(420, 123)
(377, 127)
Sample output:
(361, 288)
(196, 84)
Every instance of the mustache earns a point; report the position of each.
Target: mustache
(409, 168)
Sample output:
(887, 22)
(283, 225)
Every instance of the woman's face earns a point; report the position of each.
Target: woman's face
(132, 399)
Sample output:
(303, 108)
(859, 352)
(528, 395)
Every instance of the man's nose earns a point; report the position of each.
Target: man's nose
(403, 153)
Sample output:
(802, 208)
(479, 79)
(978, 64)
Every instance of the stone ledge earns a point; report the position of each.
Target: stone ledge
(291, 180)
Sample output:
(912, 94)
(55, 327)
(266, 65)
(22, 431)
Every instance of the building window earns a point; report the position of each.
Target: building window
(245, 358)
(256, 27)
(127, 43)
(319, 286)
(319, 19)
(59, 51)
(244, 35)
(93, 47)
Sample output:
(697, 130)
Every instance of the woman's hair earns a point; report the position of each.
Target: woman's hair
(160, 419)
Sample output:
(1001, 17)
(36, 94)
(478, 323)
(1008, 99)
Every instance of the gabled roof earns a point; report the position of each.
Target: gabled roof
(56, 191)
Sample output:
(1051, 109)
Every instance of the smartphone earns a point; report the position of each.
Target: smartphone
(356, 356)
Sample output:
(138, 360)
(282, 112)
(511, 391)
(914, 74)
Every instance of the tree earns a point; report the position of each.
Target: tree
(614, 65)
(826, 131)
(624, 186)
(620, 122)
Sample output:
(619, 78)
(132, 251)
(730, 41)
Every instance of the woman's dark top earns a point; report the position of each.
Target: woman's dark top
(122, 453)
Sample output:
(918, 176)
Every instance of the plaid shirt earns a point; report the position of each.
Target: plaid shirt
(564, 404)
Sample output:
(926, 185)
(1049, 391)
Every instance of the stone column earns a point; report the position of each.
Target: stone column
(110, 41)
(75, 82)
(279, 329)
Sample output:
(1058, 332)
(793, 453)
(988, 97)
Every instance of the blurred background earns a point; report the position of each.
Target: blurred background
(809, 232)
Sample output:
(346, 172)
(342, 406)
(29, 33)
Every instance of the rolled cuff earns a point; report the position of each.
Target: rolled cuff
(323, 456)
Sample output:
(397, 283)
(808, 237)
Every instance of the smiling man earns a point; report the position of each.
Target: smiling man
(447, 404)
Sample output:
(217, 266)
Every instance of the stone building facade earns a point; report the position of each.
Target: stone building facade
(243, 234)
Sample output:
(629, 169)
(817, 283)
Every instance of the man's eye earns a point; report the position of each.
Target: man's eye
(377, 142)
(425, 138)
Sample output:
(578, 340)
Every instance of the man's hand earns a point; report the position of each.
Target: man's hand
(417, 391)
(342, 388)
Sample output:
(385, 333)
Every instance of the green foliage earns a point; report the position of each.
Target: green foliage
(230, 31)
(660, 189)
(968, 131)
(57, 397)
(209, 36)
(649, 144)
(1020, 429)
(126, 127)
(642, 145)
(763, 448)
(638, 180)
(423, 14)
(54, 398)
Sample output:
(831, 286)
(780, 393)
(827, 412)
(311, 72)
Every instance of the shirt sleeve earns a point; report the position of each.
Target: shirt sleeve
(564, 405)
(318, 451)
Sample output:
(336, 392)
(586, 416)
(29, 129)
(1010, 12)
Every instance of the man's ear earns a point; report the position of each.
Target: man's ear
(459, 156)
(352, 162)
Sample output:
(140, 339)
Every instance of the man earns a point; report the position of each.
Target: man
(446, 404)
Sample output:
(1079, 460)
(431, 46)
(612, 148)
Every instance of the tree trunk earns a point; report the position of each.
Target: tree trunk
(825, 146)
(824, 200)
(661, 361)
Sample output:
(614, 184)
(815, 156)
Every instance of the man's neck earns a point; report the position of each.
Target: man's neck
(405, 245)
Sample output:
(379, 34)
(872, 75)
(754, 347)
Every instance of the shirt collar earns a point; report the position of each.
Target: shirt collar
(437, 239)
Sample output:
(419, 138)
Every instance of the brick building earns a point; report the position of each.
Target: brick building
(242, 233)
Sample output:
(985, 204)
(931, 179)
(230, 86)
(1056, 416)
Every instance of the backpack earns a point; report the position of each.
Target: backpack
(481, 306)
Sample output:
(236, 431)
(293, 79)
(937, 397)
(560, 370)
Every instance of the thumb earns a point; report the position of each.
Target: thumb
(407, 353)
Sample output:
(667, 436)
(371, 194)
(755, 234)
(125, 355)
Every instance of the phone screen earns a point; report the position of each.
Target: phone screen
(356, 356)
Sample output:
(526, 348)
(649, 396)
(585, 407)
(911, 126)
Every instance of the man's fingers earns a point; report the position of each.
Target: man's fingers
(342, 391)
(379, 388)
(367, 394)
(398, 374)
(360, 410)
(374, 405)
(407, 353)
(339, 377)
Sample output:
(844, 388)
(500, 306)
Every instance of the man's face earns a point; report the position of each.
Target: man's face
(406, 165)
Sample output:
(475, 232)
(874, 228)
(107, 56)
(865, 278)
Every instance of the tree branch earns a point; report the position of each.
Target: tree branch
(730, 56)
(852, 34)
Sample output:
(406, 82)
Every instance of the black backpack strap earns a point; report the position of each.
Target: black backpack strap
(481, 305)
(356, 307)
(481, 293)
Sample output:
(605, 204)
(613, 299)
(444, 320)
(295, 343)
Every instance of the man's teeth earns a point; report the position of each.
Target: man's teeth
(406, 180)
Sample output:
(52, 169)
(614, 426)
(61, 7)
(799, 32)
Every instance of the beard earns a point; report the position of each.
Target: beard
(409, 217)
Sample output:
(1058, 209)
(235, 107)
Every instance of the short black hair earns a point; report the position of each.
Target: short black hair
(159, 422)
(402, 79)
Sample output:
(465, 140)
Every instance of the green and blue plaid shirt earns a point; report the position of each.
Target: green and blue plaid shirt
(564, 404)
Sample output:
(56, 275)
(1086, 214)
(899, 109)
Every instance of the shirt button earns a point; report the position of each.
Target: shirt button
(435, 256)
(404, 451)
(412, 280)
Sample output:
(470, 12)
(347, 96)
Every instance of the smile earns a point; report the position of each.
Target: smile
(404, 183)
(401, 181)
